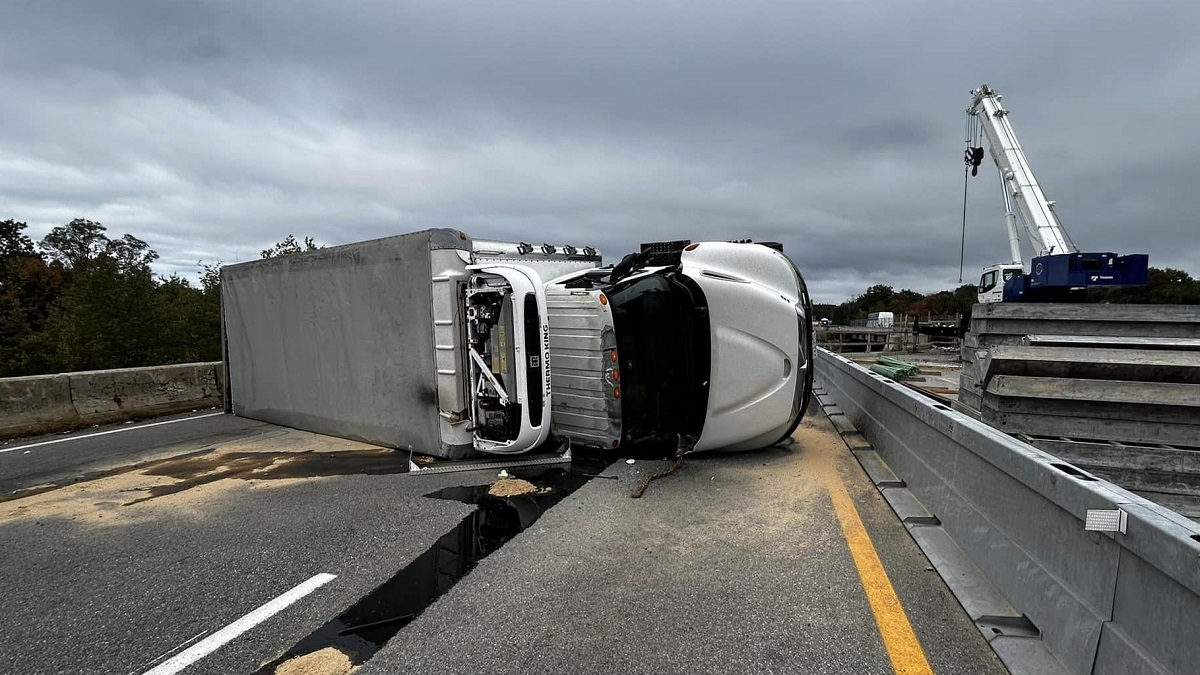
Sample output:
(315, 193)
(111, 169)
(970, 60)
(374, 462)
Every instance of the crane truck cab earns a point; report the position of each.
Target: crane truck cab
(994, 280)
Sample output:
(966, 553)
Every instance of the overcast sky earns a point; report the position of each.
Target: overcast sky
(213, 129)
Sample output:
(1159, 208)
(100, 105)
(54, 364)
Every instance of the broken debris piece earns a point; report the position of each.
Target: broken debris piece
(327, 661)
(511, 487)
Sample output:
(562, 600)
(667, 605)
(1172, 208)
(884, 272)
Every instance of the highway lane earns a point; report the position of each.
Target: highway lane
(58, 458)
(96, 581)
(736, 564)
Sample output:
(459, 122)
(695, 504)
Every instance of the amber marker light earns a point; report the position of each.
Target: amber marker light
(691, 247)
(616, 392)
(603, 299)
(612, 355)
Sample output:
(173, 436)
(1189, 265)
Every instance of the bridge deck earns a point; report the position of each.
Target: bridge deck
(783, 560)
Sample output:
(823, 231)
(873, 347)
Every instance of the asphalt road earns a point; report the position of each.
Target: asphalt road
(735, 564)
(55, 458)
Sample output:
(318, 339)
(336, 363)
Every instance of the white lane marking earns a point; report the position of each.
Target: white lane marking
(174, 649)
(110, 431)
(215, 641)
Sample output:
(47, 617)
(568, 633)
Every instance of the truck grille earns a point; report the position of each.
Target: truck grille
(584, 407)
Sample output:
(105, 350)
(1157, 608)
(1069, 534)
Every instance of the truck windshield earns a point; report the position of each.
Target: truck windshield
(661, 321)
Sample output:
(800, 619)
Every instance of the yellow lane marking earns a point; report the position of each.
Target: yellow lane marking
(901, 642)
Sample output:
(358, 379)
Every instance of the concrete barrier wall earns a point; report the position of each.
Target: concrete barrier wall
(46, 403)
(1103, 602)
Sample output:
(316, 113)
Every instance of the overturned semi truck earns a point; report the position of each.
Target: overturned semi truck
(452, 346)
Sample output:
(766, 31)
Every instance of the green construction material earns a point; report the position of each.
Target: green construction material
(895, 368)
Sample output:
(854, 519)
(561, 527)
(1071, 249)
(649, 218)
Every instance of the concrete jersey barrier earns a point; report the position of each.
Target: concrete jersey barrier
(46, 403)
(1103, 602)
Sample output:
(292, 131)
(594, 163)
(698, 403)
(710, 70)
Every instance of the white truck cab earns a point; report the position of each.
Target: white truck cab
(711, 341)
(760, 343)
(993, 279)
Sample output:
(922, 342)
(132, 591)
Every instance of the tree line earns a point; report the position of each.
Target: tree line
(1164, 286)
(82, 300)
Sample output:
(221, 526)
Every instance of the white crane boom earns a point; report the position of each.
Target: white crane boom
(1046, 234)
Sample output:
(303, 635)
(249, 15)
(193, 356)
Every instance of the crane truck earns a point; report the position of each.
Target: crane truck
(453, 346)
(1058, 270)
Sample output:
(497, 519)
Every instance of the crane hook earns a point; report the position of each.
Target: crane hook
(973, 158)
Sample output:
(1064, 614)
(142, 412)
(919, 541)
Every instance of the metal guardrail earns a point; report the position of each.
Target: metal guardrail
(1104, 602)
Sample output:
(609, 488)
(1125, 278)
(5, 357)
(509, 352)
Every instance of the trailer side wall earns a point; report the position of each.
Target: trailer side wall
(339, 341)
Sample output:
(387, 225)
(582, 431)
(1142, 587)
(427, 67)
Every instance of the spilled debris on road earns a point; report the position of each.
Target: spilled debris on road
(198, 477)
(328, 661)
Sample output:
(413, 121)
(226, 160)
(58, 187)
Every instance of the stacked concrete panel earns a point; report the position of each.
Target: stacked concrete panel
(1107, 386)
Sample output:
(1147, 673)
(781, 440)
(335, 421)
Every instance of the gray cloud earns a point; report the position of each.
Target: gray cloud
(213, 129)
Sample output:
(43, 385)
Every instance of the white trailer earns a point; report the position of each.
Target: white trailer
(881, 319)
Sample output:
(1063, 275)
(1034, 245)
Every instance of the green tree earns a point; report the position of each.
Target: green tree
(905, 302)
(132, 255)
(210, 312)
(105, 316)
(188, 318)
(1163, 286)
(825, 311)
(289, 245)
(13, 242)
(876, 298)
(28, 290)
(75, 244)
(178, 321)
(105, 319)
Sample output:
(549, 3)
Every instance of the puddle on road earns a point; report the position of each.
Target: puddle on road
(366, 626)
(195, 470)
